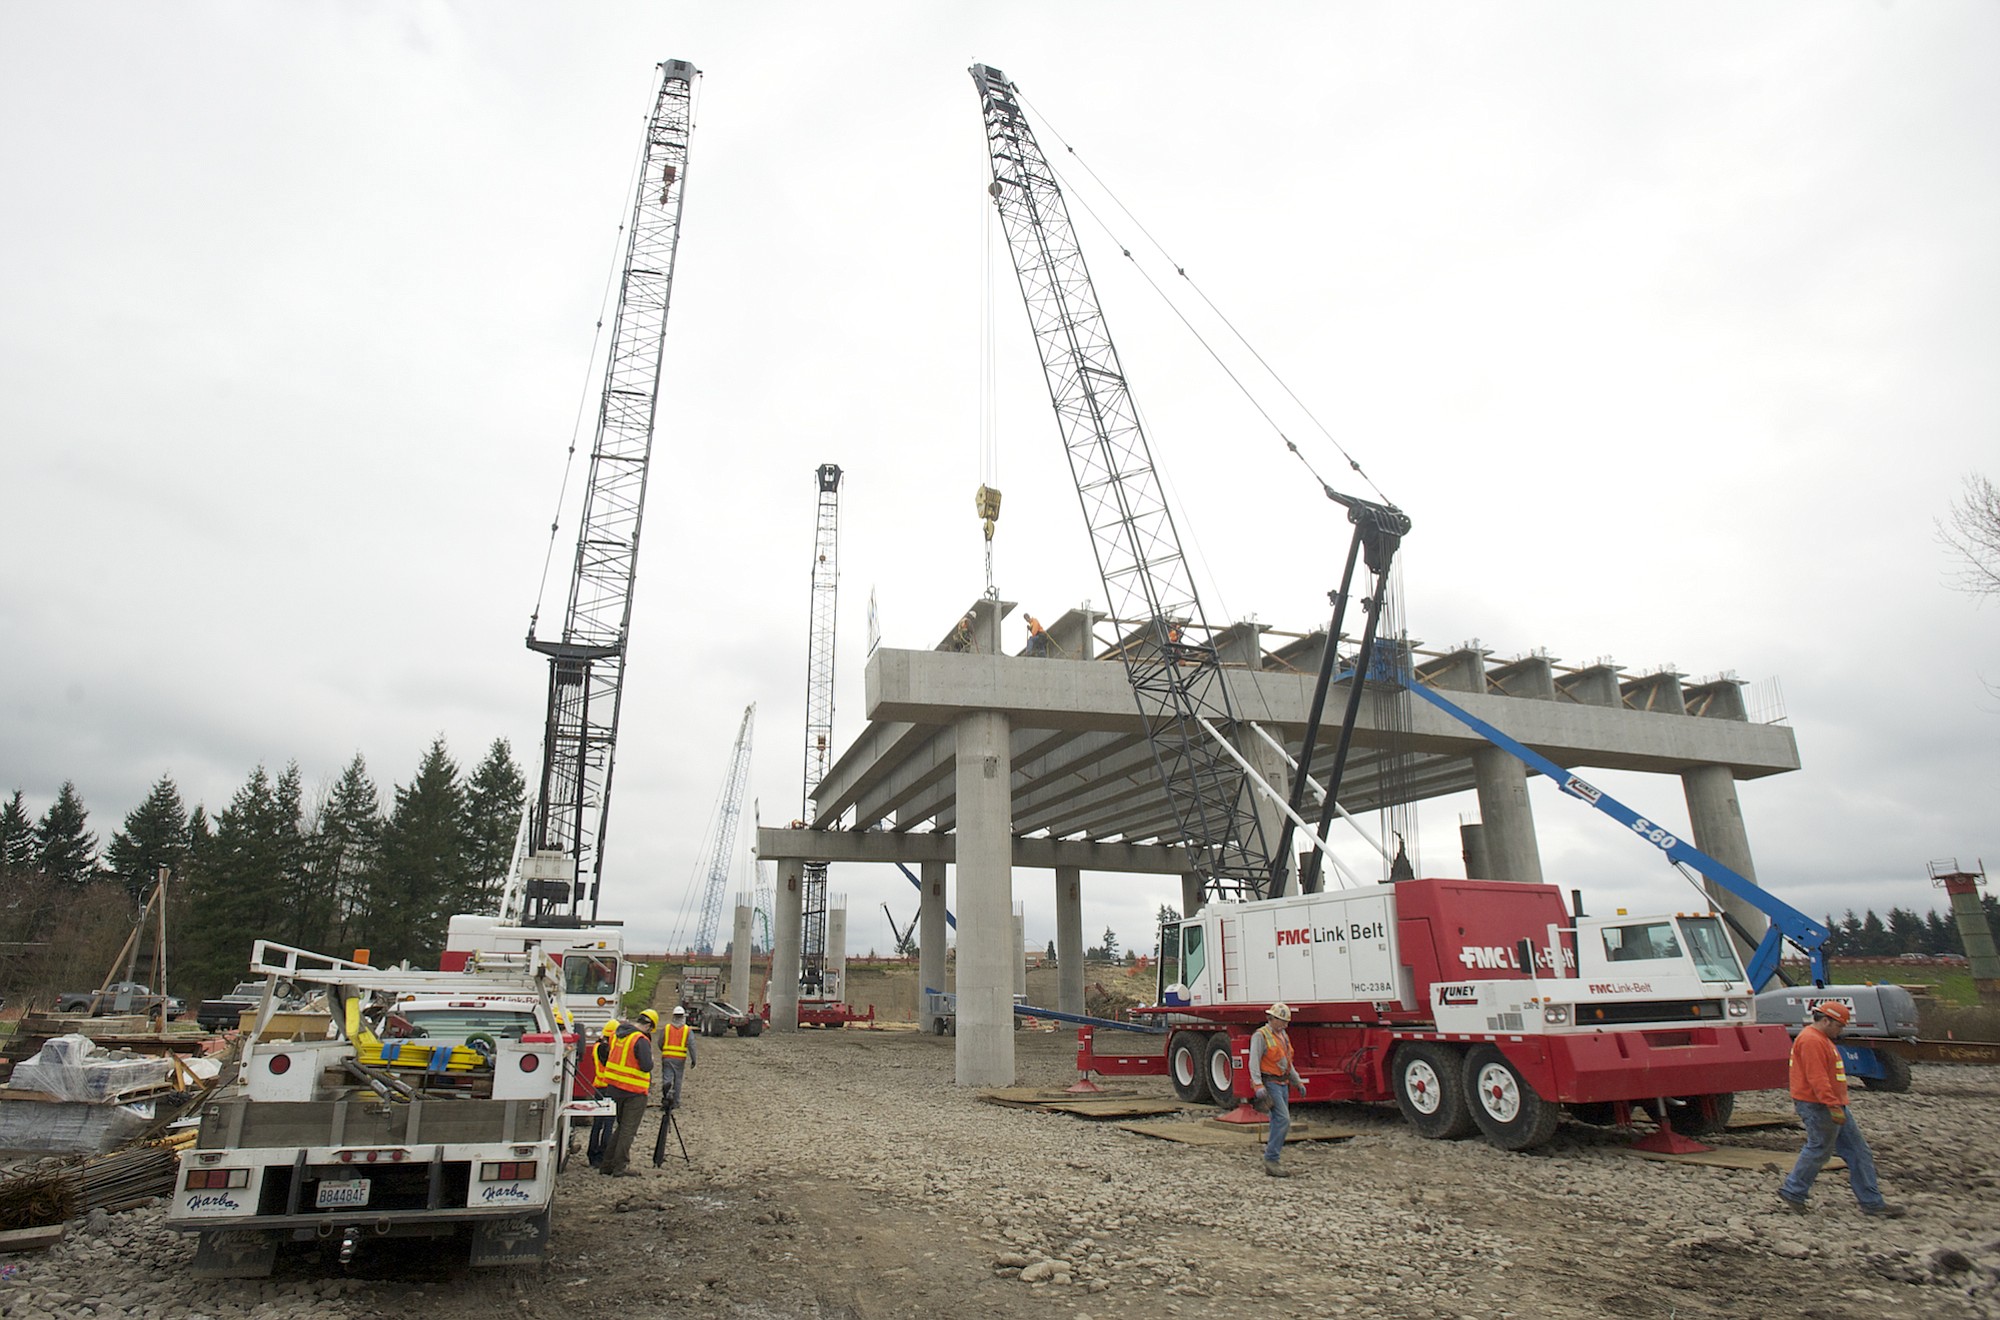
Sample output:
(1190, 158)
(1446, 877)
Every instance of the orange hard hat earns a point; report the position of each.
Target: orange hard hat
(1833, 1008)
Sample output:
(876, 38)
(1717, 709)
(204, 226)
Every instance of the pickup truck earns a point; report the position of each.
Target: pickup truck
(118, 997)
(439, 1108)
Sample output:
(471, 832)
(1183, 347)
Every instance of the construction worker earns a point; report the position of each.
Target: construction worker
(1819, 1095)
(961, 636)
(1273, 1076)
(626, 1070)
(1038, 640)
(587, 1075)
(676, 1056)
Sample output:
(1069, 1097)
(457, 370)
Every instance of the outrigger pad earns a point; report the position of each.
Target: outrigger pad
(234, 1253)
(514, 1240)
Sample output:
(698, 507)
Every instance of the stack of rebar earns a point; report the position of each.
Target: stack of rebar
(53, 1191)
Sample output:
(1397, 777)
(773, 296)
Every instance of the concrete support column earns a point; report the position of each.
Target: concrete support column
(1717, 819)
(836, 947)
(1069, 939)
(1509, 820)
(1472, 841)
(788, 918)
(739, 955)
(931, 911)
(987, 950)
(1020, 949)
(1271, 768)
(1191, 895)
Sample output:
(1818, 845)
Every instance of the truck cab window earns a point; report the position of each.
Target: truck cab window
(1641, 942)
(584, 975)
(1714, 956)
(1192, 958)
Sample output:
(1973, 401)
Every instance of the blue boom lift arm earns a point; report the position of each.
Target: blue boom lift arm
(1787, 922)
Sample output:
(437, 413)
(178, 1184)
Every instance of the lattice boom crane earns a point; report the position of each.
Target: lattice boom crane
(819, 722)
(566, 832)
(1170, 658)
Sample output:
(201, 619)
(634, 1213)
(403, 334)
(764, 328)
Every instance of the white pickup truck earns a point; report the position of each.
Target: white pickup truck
(434, 1106)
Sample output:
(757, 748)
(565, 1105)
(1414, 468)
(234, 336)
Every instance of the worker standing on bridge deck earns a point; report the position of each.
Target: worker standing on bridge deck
(628, 1071)
(1819, 1094)
(1273, 1075)
(676, 1056)
(1038, 638)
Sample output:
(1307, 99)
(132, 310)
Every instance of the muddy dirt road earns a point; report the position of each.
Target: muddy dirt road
(841, 1174)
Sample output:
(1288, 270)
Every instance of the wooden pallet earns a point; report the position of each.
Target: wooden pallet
(1214, 1133)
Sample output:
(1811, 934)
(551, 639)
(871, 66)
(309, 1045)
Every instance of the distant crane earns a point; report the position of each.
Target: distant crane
(720, 847)
(819, 722)
(560, 858)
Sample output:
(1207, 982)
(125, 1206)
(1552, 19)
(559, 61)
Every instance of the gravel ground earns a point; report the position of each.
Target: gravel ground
(840, 1174)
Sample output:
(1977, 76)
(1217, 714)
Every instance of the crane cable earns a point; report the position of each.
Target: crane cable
(1352, 463)
(611, 280)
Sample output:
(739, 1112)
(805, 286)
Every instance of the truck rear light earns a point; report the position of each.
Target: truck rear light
(201, 1180)
(507, 1171)
(530, 1062)
(279, 1064)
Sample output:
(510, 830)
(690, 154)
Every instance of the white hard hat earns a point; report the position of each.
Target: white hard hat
(1280, 1010)
(680, 1012)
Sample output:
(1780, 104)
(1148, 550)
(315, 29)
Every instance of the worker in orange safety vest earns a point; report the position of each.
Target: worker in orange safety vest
(1272, 1076)
(626, 1070)
(676, 1056)
(1819, 1095)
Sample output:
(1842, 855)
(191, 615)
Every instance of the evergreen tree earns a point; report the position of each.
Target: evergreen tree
(493, 798)
(155, 835)
(239, 889)
(64, 848)
(422, 867)
(1906, 931)
(1110, 945)
(1940, 936)
(17, 836)
(346, 838)
(1874, 936)
(1850, 935)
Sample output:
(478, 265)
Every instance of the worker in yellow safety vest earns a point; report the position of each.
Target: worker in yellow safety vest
(676, 1057)
(626, 1069)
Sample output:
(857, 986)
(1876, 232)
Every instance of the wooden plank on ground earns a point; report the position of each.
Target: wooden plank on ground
(1042, 1095)
(1113, 1107)
(1735, 1157)
(1749, 1120)
(1235, 1134)
(30, 1239)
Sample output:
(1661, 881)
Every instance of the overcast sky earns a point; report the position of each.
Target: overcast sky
(1673, 327)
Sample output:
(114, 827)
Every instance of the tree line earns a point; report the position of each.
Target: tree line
(1929, 934)
(331, 872)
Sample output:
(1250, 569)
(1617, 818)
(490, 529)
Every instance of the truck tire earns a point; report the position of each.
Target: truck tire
(1895, 1074)
(1186, 1059)
(1218, 1070)
(1430, 1090)
(1504, 1106)
(1700, 1115)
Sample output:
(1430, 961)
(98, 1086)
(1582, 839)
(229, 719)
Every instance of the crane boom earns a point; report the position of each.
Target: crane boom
(1169, 655)
(587, 663)
(819, 721)
(722, 843)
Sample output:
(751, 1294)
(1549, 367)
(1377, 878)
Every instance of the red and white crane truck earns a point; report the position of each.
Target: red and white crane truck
(1470, 1003)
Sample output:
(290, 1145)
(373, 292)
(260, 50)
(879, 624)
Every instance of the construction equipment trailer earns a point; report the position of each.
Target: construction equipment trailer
(1473, 1004)
(447, 1123)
